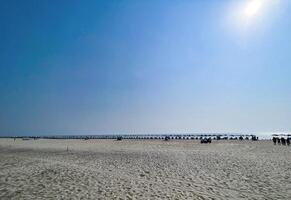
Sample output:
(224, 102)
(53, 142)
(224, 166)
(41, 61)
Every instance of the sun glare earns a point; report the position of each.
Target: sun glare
(247, 18)
(252, 12)
(253, 7)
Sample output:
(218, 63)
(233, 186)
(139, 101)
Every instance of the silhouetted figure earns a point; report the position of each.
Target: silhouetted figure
(254, 138)
(167, 138)
(205, 140)
(119, 138)
(279, 141)
(241, 138)
(283, 141)
(274, 140)
(288, 141)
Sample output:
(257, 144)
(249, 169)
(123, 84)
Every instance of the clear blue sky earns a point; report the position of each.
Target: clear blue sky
(143, 66)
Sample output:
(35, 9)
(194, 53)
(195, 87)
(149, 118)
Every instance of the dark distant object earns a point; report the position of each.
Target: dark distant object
(274, 140)
(218, 137)
(167, 138)
(254, 138)
(205, 140)
(282, 139)
(86, 138)
(241, 138)
(119, 138)
(247, 138)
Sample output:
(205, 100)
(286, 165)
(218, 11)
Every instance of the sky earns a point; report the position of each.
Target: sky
(157, 66)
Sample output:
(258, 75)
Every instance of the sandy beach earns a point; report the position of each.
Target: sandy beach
(143, 169)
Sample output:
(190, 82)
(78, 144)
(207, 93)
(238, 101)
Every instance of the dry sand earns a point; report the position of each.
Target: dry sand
(132, 169)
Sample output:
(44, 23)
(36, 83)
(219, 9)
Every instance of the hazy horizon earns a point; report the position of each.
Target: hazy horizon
(145, 66)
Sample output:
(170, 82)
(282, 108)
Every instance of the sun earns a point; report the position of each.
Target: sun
(253, 7)
(248, 17)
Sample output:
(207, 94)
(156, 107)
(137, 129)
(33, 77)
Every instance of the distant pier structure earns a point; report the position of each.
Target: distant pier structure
(148, 137)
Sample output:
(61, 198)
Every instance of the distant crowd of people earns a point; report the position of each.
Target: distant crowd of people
(281, 141)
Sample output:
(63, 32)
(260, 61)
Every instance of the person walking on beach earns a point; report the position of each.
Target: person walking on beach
(288, 141)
